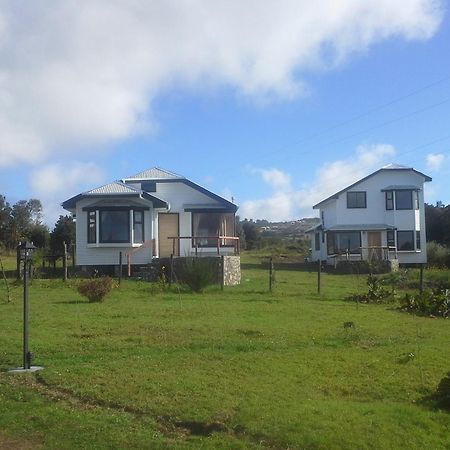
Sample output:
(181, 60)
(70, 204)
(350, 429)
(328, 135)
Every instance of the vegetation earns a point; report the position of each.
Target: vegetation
(96, 289)
(239, 368)
(198, 273)
(435, 302)
(376, 293)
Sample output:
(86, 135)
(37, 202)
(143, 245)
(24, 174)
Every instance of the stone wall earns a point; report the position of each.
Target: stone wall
(231, 270)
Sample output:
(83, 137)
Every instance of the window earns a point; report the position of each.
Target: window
(389, 200)
(342, 242)
(390, 236)
(317, 241)
(208, 225)
(138, 227)
(405, 240)
(115, 226)
(416, 199)
(92, 227)
(403, 200)
(148, 186)
(417, 240)
(356, 200)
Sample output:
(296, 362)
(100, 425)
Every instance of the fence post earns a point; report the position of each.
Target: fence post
(319, 270)
(421, 279)
(65, 261)
(222, 272)
(120, 268)
(270, 274)
(171, 269)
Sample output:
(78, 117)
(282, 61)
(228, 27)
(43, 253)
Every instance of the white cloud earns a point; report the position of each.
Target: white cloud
(54, 183)
(435, 161)
(288, 203)
(76, 73)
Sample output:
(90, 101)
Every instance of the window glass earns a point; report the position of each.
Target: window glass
(416, 199)
(343, 242)
(403, 200)
(138, 226)
(92, 227)
(208, 225)
(389, 200)
(417, 240)
(356, 200)
(114, 226)
(390, 238)
(317, 241)
(405, 240)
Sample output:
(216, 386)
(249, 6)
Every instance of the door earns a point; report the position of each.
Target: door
(374, 243)
(168, 226)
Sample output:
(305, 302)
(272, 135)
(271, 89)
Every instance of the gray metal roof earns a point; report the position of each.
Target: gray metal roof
(361, 227)
(155, 173)
(116, 187)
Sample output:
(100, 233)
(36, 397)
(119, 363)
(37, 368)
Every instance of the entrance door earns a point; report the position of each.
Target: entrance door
(168, 226)
(374, 243)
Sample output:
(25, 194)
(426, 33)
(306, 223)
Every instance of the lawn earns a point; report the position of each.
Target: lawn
(239, 368)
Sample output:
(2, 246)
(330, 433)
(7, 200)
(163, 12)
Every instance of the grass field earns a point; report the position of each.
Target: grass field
(242, 368)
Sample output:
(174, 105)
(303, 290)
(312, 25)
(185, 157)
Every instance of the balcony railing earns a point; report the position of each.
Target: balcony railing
(219, 242)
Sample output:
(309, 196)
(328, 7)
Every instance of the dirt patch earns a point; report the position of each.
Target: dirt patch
(15, 444)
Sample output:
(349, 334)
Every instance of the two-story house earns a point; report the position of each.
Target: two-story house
(381, 216)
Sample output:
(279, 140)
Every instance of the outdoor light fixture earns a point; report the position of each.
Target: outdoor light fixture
(26, 254)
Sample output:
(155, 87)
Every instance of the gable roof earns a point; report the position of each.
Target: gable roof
(390, 167)
(155, 173)
(116, 188)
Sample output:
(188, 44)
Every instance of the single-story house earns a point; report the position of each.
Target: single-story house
(153, 214)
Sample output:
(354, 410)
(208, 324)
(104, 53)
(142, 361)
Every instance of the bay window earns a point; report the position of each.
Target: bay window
(405, 240)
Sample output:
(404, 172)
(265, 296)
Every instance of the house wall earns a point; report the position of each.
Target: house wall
(335, 212)
(108, 254)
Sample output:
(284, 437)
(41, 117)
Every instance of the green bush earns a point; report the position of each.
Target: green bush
(435, 302)
(375, 293)
(95, 289)
(443, 392)
(438, 255)
(197, 273)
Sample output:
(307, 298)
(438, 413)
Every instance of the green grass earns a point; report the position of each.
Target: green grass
(242, 368)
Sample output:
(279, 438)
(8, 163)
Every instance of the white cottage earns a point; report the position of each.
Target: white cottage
(153, 214)
(381, 216)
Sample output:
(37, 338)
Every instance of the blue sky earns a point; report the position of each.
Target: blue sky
(276, 104)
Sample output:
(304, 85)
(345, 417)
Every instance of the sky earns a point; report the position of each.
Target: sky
(274, 104)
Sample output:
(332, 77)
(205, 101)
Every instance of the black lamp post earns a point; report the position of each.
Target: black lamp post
(26, 255)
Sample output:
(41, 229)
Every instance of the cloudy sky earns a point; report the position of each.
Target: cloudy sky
(274, 103)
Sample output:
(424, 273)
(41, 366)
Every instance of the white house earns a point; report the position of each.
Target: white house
(152, 214)
(381, 216)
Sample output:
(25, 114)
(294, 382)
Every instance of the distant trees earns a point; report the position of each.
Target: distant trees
(22, 221)
(437, 218)
(64, 231)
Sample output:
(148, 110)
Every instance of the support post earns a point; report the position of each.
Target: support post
(171, 269)
(120, 268)
(65, 261)
(270, 274)
(129, 264)
(421, 279)
(319, 270)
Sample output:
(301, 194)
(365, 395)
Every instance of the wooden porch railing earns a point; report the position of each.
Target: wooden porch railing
(375, 252)
(221, 241)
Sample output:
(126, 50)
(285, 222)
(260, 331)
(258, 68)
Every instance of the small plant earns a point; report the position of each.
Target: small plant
(435, 302)
(95, 289)
(375, 294)
(197, 273)
(443, 392)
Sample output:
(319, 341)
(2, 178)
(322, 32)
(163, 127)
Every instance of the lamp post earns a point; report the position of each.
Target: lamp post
(26, 254)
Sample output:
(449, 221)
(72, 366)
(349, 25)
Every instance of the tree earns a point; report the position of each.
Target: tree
(251, 234)
(437, 220)
(64, 231)
(5, 217)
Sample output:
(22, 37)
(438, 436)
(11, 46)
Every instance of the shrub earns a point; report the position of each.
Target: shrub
(197, 273)
(435, 303)
(375, 293)
(438, 255)
(443, 392)
(95, 289)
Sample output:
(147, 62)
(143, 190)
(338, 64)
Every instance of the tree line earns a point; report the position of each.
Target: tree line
(22, 221)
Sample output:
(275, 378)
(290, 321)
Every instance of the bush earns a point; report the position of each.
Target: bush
(95, 289)
(197, 273)
(438, 255)
(443, 392)
(435, 303)
(375, 293)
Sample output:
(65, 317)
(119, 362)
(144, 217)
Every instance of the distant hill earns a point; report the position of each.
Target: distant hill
(290, 229)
